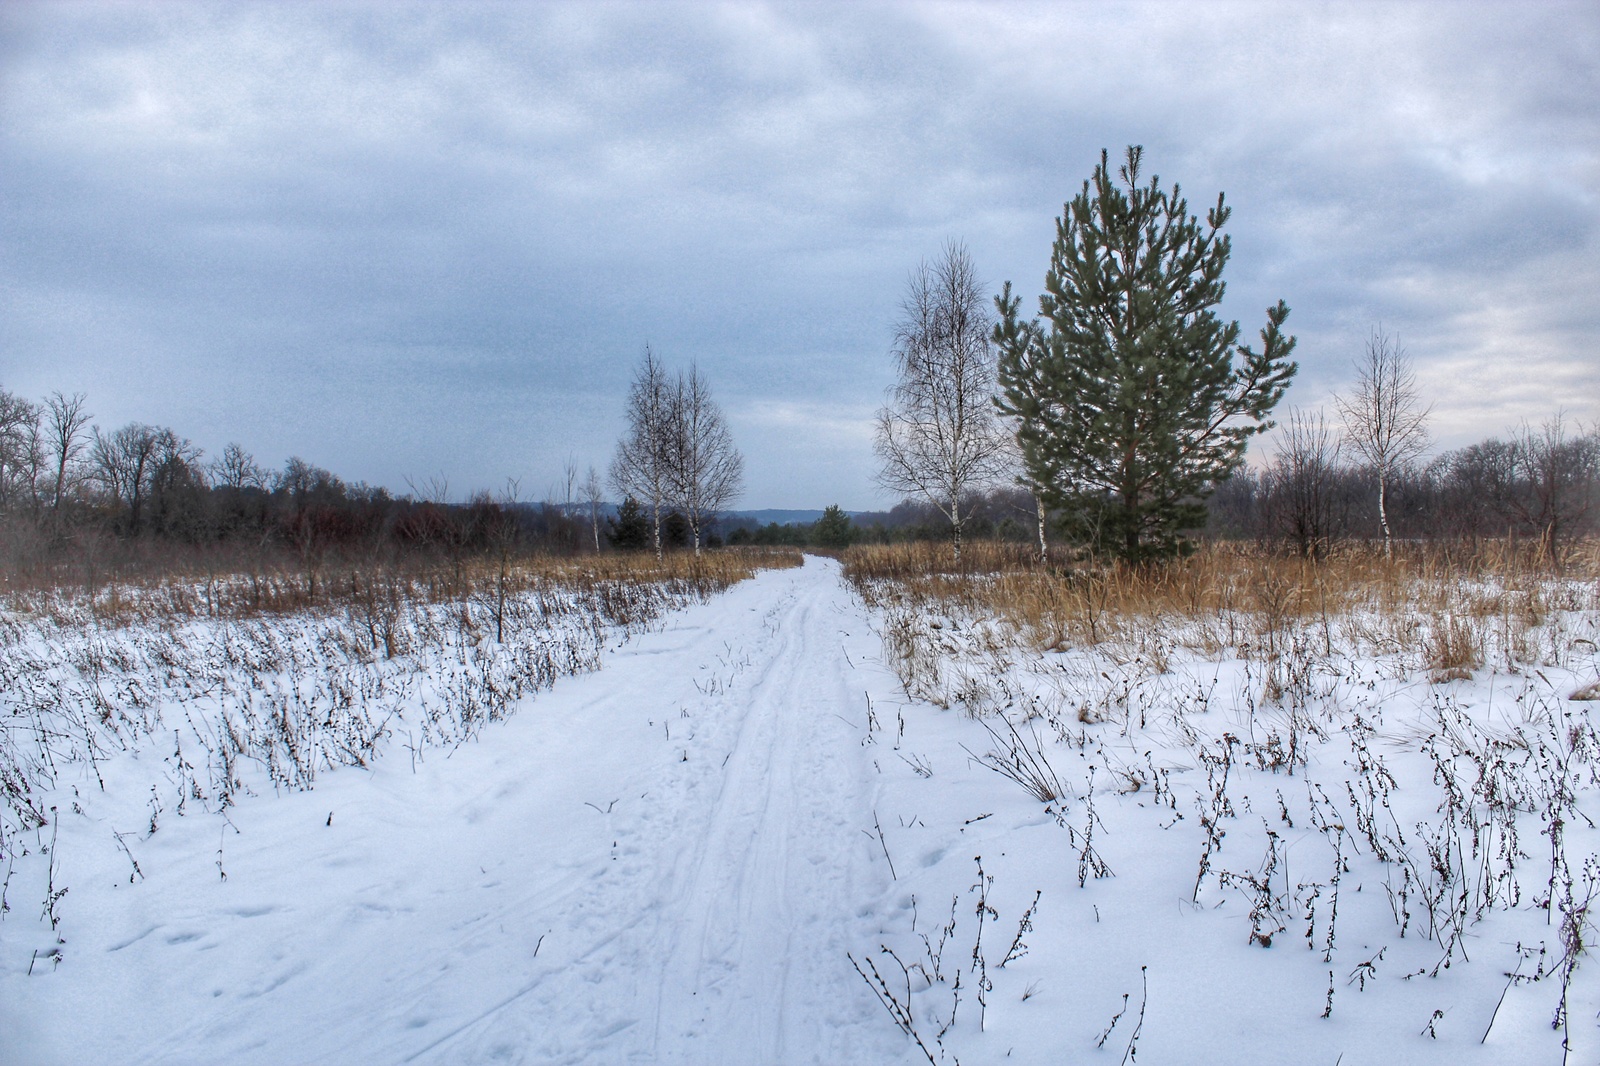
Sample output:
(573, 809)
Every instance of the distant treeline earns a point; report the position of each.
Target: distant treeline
(999, 514)
(1538, 484)
(75, 499)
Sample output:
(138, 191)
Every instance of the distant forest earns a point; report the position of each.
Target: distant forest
(77, 501)
(1540, 484)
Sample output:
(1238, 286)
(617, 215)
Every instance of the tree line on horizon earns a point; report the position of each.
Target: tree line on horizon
(76, 499)
(1308, 496)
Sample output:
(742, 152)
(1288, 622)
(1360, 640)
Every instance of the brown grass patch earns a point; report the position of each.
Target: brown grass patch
(367, 585)
(1243, 597)
(1455, 648)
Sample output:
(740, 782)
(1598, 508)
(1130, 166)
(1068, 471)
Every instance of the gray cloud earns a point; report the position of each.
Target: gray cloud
(408, 240)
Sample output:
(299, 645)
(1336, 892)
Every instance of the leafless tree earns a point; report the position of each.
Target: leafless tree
(305, 484)
(434, 489)
(1556, 477)
(939, 436)
(439, 523)
(1385, 422)
(569, 474)
(19, 450)
(138, 462)
(65, 442)
(593, 496)
(642, 465)
(705, 470)
(122, 462)
(176, 482)
(1298, 487)
(236, 469)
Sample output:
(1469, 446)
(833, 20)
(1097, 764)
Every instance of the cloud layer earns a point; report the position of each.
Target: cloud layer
(404, 241)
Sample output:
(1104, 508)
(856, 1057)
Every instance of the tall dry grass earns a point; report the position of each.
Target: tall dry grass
(1454, 607)
(367, 586)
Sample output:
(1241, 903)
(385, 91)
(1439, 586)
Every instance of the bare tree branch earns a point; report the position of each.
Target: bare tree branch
(641, 467)
(939, 436)
(65, 421)
(706, 471)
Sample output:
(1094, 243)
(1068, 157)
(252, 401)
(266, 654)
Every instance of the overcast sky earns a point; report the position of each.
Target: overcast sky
(413, 241)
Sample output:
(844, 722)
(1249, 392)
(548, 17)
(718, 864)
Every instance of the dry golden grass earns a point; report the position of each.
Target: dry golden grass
(1435, 602)
(281, 589)
(1455, 649)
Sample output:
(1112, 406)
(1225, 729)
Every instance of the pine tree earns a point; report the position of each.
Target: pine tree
(630, 530)
(1132, 398)
(675, 530)
(833, 529)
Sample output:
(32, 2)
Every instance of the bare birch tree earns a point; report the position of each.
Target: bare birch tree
(939, 436)
(706, 471)
(641, 467)
(593, 497)
(1385, 421)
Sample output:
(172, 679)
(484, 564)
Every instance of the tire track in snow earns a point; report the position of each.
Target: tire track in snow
(756, 956)
(720, 933)
(724, 971)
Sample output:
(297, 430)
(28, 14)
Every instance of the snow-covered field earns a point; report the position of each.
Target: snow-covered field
(783, 826)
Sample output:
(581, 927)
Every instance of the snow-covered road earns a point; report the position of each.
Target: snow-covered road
(662, 862)
(669, 860)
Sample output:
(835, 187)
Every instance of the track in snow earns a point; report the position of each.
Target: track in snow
(720, 933)
(662, 862)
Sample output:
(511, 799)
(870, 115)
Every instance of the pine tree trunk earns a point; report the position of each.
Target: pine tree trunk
(1130, 538)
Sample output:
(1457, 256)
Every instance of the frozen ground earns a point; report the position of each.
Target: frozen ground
(693, 855)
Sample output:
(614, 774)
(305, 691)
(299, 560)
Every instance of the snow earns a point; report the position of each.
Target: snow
(658, 862)
(685, 856)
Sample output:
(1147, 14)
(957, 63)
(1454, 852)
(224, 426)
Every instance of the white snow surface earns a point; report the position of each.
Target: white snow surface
(659, 862)
(683, 858)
